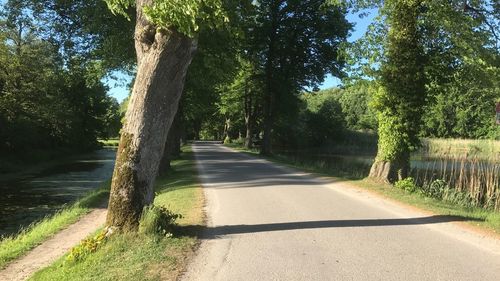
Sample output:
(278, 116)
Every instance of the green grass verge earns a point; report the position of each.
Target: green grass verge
(14, 246)
(141, 256)
(484, 219)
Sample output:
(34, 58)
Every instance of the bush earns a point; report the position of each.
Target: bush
(407, 184)
(436, 189)
(88, 246)
(439, 189)
(157, 220)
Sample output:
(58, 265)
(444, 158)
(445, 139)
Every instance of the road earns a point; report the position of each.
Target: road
(268, 222)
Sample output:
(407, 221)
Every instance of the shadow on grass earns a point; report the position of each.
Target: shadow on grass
(204, 232)
(179, 176)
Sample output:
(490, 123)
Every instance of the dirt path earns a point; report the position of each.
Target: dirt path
(52, 249)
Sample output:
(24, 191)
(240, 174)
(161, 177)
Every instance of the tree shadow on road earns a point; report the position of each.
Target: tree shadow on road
(205, 232)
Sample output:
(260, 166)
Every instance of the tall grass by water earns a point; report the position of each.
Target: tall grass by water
(466, 172)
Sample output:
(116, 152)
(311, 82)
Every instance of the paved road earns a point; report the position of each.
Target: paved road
(267, 222)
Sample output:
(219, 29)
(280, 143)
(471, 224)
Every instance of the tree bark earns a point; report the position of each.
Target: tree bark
(172, 146)
(269, 98)
(249, 116)
(163, 56)
(249, 132)
(390, 171)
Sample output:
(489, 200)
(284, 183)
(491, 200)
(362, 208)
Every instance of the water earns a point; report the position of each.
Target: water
(27, 200)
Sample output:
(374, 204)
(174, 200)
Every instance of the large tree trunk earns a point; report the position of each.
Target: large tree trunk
(249, 116)
(270, 95)
(163, 57)
(402, 96)
(392, 170)
(265, 148)
(249, 132)
(172, 146)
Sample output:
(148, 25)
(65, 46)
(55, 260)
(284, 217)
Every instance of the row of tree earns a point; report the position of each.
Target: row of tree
(256, 58)
(459, 61)
(206, 67)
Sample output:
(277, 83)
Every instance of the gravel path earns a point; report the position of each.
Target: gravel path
(55, 247)
(268, 222)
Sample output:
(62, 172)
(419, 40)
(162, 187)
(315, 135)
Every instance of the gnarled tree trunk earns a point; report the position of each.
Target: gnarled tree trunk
(172, 146)
(163, 56)
(402, 95)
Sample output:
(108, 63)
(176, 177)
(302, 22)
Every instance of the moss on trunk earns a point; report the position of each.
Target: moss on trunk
(127, 193)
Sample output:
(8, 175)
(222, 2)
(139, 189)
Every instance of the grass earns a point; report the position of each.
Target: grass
(459, 148)
(484, 219)
(13, 247)
(109, 142)
(142, 256)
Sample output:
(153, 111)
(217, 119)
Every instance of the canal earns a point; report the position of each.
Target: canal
(27, 200)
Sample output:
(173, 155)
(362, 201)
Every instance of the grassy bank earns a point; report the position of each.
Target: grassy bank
(15, 246)
(145, 256)
(485, 219)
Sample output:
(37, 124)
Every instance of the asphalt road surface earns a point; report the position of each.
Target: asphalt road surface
(268, 222)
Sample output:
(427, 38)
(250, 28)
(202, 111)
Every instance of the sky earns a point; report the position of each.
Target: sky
(118, 81)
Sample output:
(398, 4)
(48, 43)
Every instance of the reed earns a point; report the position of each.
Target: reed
(461, 148)
(468, 181)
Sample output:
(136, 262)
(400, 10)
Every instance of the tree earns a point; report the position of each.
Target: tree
(297, 43)
(49, 99)
(463, 69)
(401, 97)
(165, 43)
(213, 70)
(355, 100)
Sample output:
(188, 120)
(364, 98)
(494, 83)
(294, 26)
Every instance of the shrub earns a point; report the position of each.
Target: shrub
(407, 184)
(88, 246)
(157, 220)
(436, 189)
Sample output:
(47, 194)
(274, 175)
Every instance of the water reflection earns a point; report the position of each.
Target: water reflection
(25, 201)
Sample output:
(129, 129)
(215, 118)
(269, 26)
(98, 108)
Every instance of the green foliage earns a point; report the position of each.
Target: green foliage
(50, 96)
(185, 16)
(461, 52)
(87, 247)
(120, 6)
(157, 220)
(323, 124)
(440, 190)
(394, 142)
(402, 93)
(296, 43)
(209, 96)
(407, 184)
(355, 100)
